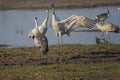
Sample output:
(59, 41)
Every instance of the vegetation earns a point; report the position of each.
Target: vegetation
(75, 62)
(35, 4)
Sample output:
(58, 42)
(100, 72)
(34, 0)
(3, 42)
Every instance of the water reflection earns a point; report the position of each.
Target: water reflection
(14, 23)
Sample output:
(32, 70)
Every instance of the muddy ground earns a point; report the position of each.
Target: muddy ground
(58, 57)
(85, 58)
(70, 54)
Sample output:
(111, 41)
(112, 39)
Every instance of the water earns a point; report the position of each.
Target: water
(15, 25)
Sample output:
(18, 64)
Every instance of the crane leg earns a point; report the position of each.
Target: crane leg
(58, 42)
(102, 35)
(61, 43)
(61, 40)
(108, 37)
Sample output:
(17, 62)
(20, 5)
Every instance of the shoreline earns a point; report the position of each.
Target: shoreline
(58, 5)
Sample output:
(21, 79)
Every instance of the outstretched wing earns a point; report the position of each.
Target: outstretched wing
(76, 21)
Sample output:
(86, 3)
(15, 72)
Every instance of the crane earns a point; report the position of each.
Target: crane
(43, 27)
(69, 24)
(102, 17)
(40, 40)
(108, 27)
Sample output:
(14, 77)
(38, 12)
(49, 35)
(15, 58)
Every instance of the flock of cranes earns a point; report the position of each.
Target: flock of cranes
(68, 25)
(105, 27)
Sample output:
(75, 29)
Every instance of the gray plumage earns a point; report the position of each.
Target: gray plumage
(75, 21)
(108, 27)
(40, 40)
(44, 45)
(102, 17)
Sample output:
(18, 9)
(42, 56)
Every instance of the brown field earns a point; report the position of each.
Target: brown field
(73, 62)
(36, 4)
(76, 54)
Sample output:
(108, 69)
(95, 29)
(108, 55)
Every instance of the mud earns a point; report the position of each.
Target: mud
(7, 59)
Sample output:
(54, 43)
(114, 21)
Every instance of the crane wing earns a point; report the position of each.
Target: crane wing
(31, 33)
(76, 21)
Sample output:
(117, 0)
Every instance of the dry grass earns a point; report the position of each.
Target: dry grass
(36, 4)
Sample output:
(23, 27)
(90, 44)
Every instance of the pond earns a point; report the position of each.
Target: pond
(15, 25)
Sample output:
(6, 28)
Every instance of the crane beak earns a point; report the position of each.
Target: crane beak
(35, 18)
(29, 36)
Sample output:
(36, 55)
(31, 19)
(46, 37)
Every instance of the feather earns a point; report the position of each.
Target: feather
(76, 21)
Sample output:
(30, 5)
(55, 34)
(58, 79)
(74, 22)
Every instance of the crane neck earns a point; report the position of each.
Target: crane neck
(53, 14)
(36, 23)
(108, 11)
(46, 19)
(53, 11)
(47, 14)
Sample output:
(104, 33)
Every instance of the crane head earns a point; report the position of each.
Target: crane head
(96, 19)
(52, 4)
(35, 18)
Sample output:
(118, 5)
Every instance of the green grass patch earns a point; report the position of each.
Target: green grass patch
(63, 71)
(72, 61)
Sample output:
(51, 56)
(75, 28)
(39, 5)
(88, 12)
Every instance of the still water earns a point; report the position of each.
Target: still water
(15, 25)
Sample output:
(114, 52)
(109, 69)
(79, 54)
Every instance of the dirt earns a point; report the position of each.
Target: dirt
(29, 57)
(7, 59)
(40, 4)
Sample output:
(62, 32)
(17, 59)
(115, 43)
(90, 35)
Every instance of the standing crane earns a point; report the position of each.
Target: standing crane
(69, 24)
(40, 40)
(101, 18)
(108, 27)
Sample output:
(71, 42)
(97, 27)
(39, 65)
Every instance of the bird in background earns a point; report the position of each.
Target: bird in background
(42, 28)
(102, 17)
(101, 41)
(40, 40)
(69, 24)
(108, 27)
